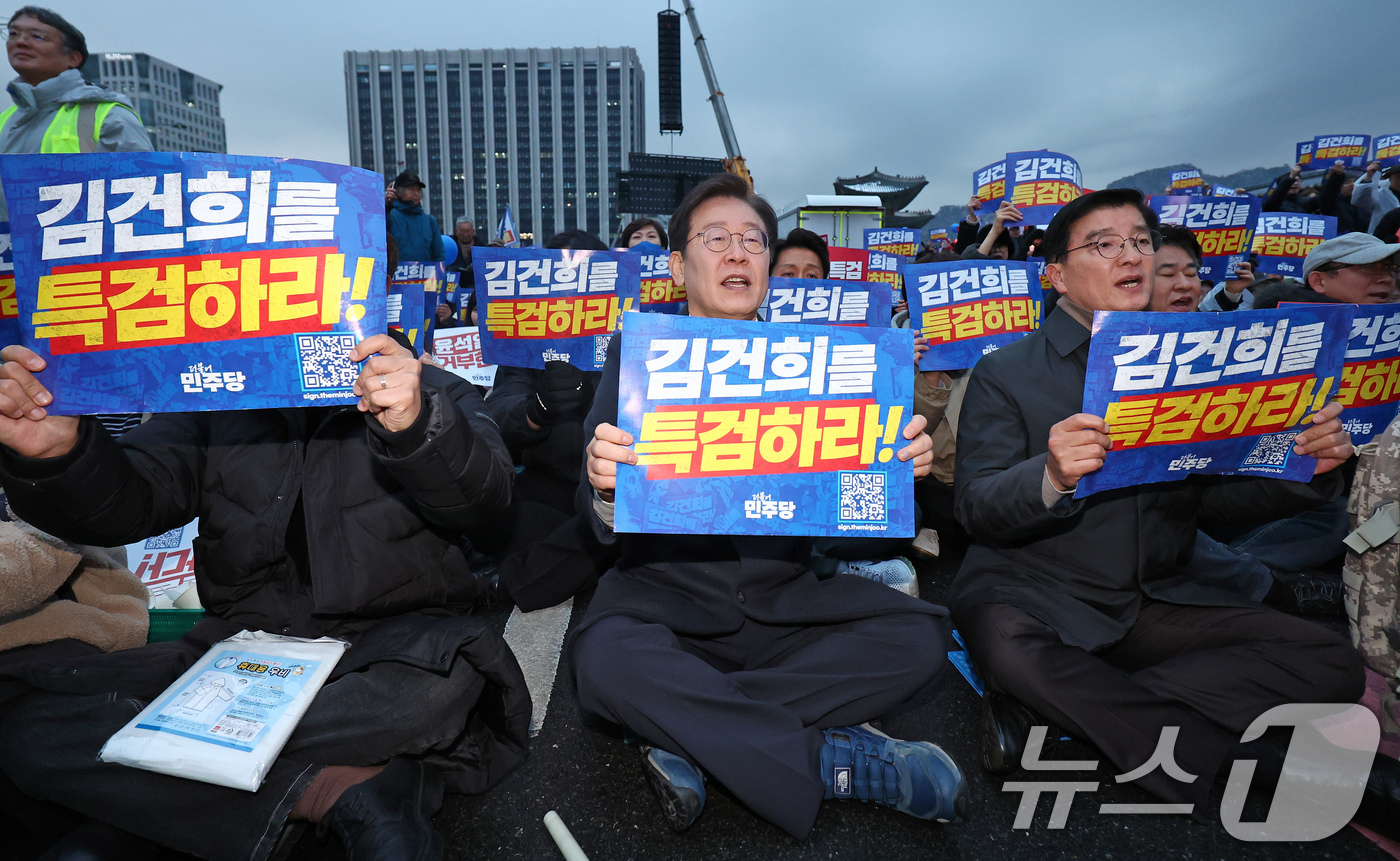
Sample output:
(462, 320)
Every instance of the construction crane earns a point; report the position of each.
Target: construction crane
(734, 161)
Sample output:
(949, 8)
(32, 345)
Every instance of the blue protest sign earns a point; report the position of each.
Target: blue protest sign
(1187, 181)
(191, 281)
(1370, 387)
(1351, 150)
(660, 294)
(835, 303)
(886, 269)
(989, 187)
(764, 428)
(1387, 150)
(1283, 239)
(1210, 393)
(9, 307)
(413, 299)
(968, 308)
(1223, 228)
(1039, 183)
(1226, 191)
(1303, 154)
(899, 241)
(539, 304)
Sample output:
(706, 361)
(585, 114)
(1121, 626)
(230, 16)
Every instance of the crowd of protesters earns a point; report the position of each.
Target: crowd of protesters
(756, 662)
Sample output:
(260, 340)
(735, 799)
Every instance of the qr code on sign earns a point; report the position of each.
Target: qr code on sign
(600, 348)
(862, 497)
(1272, 450)
(166, 540)
(325, 363)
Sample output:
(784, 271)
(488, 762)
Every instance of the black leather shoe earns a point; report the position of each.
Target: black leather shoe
(390, 816)
(1306, 592)
(1006, 724)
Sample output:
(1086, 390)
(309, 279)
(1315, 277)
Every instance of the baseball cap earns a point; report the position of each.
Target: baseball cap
(1350, 249)
(406, 179)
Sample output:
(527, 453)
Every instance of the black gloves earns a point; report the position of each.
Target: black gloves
(559, 391)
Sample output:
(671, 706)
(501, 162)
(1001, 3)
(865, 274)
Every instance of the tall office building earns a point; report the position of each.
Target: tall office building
(179, 108)
(545, 130)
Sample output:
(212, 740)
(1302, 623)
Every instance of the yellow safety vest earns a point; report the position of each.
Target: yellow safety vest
(75, 128)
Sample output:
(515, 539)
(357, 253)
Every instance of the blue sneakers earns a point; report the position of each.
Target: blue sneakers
(913, 777)
(679, 785)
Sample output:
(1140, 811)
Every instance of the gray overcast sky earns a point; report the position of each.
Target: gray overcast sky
(829, 88)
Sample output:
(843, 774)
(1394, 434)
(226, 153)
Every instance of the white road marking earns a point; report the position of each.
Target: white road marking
(536, 638)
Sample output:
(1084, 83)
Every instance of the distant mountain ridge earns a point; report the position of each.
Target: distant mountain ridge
(1152, 181)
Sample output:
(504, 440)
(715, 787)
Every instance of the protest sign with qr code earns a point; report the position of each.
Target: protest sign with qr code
(1350, 150)
(1283, 239)
(537, 305)
(968, 308)
(1220, 394)
(1223, 228)
(753, 428)
(660, 294)
(833, 303)
(1039, 183)
(1387, 150)
(1370, 385)
(169, 282)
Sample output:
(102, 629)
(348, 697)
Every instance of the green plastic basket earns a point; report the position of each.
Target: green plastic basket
(172, 624)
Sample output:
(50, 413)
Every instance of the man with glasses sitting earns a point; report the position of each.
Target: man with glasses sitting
(1076, 609)
(724, 653)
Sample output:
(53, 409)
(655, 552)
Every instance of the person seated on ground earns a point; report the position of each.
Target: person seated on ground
(447, 316)
(339, 521)
(723, 652)
(540, 552)
(1289, 195)
(59, 599)
(938, 398)
(1294, 563)
(1072, 609)
(642, 230)
(969, 227)
(1176, 287)
(1236, 294)
(994, 240)
(575, 239)
(1176, 271)
(1374, 198)
(803, 254)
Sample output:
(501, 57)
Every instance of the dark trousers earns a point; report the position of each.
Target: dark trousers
(749, 708)
(49, 744)
(1208, 670)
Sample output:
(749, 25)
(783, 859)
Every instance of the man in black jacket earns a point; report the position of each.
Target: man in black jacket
(548, 553)
(1078, 608)
(726, 652)
(324, 521)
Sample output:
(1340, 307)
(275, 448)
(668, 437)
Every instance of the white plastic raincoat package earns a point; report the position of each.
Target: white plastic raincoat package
(226, 719)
